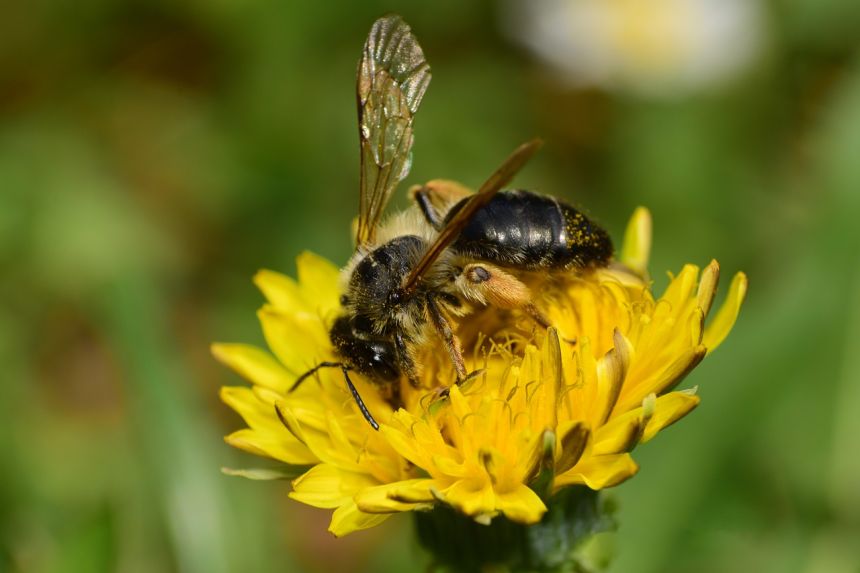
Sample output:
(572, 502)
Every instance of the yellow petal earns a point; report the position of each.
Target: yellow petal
(678, 370)
(572, 443)
(472, 497)
(662, 382)
(636, 247)
(682, 287)
(414, 491)
(348, 518)
(620, 435)
(289, 421)
(396, 496)
(254, 364)
(697, 326)
(725, 319)
(246, 403)
(459, 404)
(299, 340)
(281, 291)
(402, 444)
(267, 436)
(522, 505)
(668, 409)
(326, 485)
(598, 472)
(451, 467)
(708, 287)
(271, 446)
(539, 456)
(611, 373)
(320, 283)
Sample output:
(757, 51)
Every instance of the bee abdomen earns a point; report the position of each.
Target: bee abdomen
(528, 230)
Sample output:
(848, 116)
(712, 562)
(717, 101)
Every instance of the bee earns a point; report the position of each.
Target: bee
(449, 254)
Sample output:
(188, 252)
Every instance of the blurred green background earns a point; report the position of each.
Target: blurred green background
(154, 155)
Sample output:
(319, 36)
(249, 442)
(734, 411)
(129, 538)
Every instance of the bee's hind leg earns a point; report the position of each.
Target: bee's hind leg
(496, 287)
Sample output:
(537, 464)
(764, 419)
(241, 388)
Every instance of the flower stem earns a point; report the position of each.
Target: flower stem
(573, 536)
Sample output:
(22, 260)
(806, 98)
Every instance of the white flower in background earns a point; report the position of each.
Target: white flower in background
(656, 47)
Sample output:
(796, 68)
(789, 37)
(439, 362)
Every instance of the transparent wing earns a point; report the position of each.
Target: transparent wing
(392, 78)
(491, 186)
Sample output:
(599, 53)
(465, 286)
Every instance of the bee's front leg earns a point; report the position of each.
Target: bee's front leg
(404, 358)
(443, 328)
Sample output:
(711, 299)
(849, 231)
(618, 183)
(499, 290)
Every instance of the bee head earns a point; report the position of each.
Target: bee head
(375, 288)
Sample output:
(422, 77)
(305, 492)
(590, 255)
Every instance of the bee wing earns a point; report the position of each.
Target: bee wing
(491, 186)
(391, 80)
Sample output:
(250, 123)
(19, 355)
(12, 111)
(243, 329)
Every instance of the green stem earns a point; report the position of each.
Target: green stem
(572, 537)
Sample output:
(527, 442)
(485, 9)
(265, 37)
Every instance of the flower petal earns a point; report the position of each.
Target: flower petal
(320, 282)
(620, 435)
(661, 382)
(598, 472)
(281, 291)
(668, 409)
(402, 443)
(682, 287)
(299, 340)
(636, 247)
(325, 485)
(397, 496)
(725, 319)
(254, 364)
(269, 446)
(572, 443)
(522, 505)
(472, 497)
(266, 435)
(611, 373)
(348, 518)
(708, 287)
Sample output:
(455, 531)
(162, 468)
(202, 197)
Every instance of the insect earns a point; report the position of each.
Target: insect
(452, 251)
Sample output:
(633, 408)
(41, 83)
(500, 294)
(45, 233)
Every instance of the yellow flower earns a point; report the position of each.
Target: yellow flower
(548, 409)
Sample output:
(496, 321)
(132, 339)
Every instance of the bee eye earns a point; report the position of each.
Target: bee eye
(395, 297)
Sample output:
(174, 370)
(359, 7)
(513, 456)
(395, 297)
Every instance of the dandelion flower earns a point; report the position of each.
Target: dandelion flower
(549, 410)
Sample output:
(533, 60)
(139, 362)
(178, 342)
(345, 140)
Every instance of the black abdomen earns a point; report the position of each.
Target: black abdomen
(533, 231)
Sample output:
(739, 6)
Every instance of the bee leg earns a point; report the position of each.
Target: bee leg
(427, 209)
(436, 197)
(407, 366)
(452, 343)
(536, 315)
(491, 285)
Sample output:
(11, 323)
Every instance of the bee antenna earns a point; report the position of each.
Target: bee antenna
(313, 371)
(364, 411)
(352, 389)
